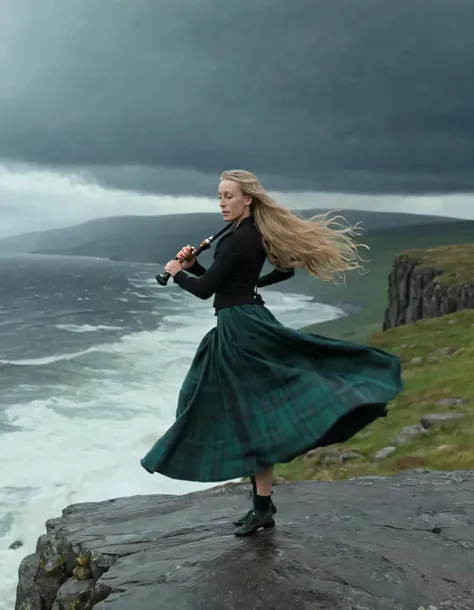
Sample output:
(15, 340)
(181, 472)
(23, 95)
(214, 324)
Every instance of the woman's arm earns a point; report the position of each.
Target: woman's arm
(197, 269)
(206, 285)
(274, 277)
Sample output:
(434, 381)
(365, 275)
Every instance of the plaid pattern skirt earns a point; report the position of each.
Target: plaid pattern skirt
(259, 393)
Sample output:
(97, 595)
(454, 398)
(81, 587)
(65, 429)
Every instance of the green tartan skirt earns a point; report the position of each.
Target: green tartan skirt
(259, 393)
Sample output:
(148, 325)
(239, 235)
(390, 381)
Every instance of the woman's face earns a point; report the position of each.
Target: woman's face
(233, 203)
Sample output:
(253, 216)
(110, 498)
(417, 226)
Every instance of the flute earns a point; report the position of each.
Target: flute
(163, 278)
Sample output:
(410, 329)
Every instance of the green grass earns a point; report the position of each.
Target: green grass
(455, 261)
(438, 357)
(370, 290)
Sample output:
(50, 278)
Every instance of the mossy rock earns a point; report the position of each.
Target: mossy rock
(82, 571)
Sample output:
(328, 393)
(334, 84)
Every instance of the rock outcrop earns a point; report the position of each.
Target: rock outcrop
(401, 543)
(427, 284)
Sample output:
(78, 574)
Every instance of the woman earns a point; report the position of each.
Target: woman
(259, 393)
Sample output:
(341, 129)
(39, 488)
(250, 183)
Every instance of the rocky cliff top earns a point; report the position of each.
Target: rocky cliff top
(454, 263)
(430, 283)
(401, 543)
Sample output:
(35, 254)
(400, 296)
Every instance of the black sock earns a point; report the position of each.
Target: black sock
(262, 502)
(254, 485)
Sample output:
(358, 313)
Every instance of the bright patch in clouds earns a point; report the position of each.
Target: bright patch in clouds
(36, 199)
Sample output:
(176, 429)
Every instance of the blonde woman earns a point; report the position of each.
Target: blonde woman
(259, 393)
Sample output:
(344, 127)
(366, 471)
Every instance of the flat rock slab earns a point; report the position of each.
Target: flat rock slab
(375, 543)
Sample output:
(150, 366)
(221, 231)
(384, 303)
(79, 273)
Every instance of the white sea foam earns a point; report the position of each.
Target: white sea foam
(86, 446)
(43, 360)
(86, 328)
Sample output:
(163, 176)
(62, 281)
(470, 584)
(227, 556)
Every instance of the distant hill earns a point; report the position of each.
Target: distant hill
(155, 239)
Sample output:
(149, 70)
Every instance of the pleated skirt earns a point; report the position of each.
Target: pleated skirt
(259, 393)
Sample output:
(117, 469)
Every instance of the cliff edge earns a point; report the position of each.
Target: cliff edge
(430, 283)
(377, 543)
(403, 542)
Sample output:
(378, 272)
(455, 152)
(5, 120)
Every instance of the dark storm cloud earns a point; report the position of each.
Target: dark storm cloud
(175, 181)
(367, 95)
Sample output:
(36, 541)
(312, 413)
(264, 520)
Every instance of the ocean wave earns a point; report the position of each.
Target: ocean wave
(146, 281)
(140, 295)
(84, 442)
(44, 360)
(86, 328)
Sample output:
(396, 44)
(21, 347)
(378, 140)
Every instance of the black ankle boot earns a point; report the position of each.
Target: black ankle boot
(239, 522)
(257, 519)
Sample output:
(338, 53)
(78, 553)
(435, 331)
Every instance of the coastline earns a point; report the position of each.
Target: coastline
(428, 435)
(350, 309)
(318, 328)
(305, 310)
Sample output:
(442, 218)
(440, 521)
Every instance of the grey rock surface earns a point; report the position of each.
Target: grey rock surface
(408, 433)
(450, 402)
(374, 543)
(384, 453)
(431, 420)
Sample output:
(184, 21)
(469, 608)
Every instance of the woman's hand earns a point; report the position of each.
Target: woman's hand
(174, 267)
(186, 255)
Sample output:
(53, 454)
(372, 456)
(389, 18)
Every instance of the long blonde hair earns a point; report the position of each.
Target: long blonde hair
(319, 244)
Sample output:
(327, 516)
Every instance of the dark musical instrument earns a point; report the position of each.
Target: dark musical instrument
(163, 278)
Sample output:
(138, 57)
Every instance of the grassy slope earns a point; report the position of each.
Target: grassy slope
(370, 290)
(455, 261)
(446, 349)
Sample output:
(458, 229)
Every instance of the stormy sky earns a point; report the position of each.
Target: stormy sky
(118, 107)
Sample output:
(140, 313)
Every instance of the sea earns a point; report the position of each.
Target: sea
(92, 355)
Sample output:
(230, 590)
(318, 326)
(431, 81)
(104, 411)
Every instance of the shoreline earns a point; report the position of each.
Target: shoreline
(349, 310)
(347, 307)
(306, 315)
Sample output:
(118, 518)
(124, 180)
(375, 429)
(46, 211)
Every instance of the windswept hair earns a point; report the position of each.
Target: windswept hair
(321, 245)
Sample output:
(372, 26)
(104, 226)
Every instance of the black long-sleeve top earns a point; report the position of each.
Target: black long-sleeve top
(234, 275)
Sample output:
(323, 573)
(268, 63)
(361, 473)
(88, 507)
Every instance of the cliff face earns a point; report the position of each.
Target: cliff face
(375, 544)
(429, 284)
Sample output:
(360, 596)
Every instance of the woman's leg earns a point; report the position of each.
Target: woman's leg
(241, 520)
(262, 515)
(264, 484)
